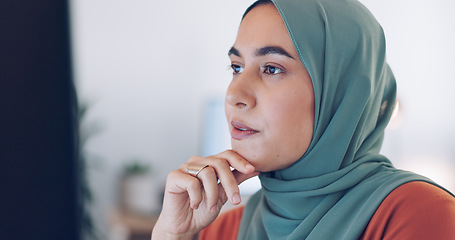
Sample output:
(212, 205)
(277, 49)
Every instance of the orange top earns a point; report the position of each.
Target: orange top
(415, 210)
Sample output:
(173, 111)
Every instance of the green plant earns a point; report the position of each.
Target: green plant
(136, 167)
(86, 198)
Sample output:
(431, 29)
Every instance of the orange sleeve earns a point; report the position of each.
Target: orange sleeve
(225, 227)
(415, 210)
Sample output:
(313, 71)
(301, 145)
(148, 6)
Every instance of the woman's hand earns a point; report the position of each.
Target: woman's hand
(191, 203)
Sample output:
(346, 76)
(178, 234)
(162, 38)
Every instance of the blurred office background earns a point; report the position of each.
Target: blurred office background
(153, 75)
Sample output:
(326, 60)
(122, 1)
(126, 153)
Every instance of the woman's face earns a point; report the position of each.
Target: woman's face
(270, 101)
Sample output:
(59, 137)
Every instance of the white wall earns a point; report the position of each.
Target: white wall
(148, 67)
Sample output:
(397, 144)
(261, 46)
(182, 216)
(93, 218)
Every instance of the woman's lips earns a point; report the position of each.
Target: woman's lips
(241, 131)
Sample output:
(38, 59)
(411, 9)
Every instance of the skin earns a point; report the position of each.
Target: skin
(271, 92)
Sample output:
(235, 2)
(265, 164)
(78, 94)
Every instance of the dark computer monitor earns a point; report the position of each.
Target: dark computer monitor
(38, 119)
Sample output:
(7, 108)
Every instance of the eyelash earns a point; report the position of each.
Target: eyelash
(234, 67)
(266, 69)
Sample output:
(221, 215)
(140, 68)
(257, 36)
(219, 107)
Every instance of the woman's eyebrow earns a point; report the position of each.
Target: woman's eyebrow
(272, 50)
(234, 51)
(263, 51)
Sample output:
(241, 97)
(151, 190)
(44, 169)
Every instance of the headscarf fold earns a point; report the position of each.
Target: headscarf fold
(333, 190)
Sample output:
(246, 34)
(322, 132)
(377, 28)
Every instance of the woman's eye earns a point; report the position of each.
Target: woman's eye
(236, 68)
(271, 70)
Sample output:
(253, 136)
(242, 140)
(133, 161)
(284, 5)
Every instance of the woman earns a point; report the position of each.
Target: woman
(307, 107)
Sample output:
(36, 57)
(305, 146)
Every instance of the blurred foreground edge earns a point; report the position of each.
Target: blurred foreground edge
(38, 119)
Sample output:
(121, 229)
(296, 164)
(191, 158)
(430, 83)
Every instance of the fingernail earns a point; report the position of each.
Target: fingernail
(213, 209)
(249, 167)
(236, 198)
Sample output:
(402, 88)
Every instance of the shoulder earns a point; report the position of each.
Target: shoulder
(225, 226)
(415, 210)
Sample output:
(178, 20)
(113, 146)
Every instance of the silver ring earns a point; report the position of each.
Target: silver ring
(195, 169)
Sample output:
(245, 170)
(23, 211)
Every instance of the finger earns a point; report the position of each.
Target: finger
(240, 177)
(222, 171)
(236, 161)
(180, 183)
(227, 179)
(222, 164)
(210, 184)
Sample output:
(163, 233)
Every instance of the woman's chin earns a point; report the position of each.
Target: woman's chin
(253, 158)
(247, 154)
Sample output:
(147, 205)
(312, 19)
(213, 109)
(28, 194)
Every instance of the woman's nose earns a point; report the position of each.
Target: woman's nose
(241, 92)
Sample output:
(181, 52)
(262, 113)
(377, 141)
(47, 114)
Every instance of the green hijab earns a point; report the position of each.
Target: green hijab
(333, 190)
